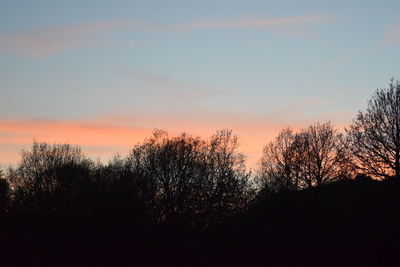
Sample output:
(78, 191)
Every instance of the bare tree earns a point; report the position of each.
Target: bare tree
(323, 155)
(311, 157)
(48, 172)
(189, 179)
(374, 136)
(279, 165)
(227, 184)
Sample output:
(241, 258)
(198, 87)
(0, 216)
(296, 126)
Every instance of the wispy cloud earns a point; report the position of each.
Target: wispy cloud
(100, 140)
(271, 23)
(168, 87)
(105, 135)
(85, 132)
(44, 42)
(392, 35)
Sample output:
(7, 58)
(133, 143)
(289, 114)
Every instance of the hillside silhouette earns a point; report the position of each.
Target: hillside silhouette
(319, 197)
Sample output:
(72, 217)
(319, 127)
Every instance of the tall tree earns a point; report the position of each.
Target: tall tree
(188, 179)
(311, 157)
(280, 164)
(374, 136)
(323, 155)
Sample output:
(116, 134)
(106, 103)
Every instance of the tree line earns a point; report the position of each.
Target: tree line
(197, 182)
(183, 179)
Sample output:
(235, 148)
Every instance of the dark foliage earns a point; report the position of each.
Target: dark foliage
(345, 223)
(165, 193)
(4, 193)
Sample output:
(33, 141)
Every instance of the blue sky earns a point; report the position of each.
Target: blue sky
(127, 67)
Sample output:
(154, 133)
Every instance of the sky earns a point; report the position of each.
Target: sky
(105, 74)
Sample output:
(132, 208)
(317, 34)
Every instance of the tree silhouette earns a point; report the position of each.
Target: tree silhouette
(374, 136)
(280, 164)
(185, 197)
(228, 186)
(323, 155)
(4, 192)
(49, 176)
(311, 157)
(189, 180)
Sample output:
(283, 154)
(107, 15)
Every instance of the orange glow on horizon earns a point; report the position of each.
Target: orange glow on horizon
(101, 139)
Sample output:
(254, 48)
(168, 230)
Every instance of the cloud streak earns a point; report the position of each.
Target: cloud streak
(103, 136)
(167, 87)
(264, 23)
(43, 42)
(88, 133)
(101, 140)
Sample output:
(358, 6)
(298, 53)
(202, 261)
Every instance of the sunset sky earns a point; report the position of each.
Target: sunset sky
(105, 74)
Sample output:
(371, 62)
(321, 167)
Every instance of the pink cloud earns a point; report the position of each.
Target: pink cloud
(266, 23)
(98, 139)
(47, 41)
(44, 42)
(87, 133)
(102, 137)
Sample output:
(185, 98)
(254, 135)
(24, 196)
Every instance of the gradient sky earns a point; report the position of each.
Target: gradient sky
(104, 74)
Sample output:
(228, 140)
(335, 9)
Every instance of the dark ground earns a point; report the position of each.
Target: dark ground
(348, 223)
